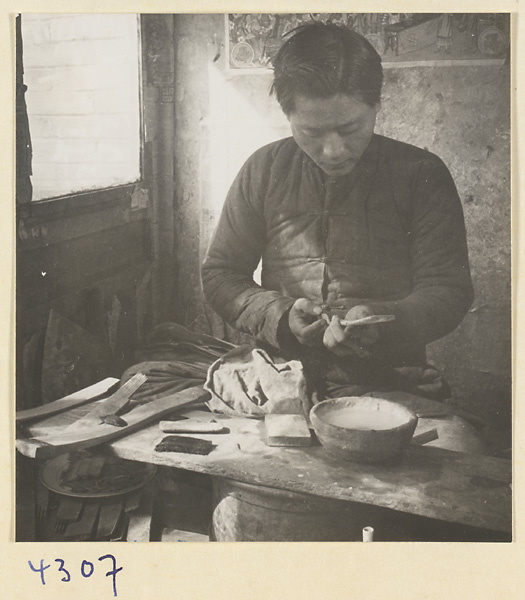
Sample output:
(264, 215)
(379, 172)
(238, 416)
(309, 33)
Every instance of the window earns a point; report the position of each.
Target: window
(83, 101)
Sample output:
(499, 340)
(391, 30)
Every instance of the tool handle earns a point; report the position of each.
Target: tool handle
(370, 320)
(195, 427)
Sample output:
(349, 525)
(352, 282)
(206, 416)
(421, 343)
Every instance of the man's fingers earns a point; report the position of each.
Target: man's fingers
(315, 327)
(341, 349)
(308, 327)
(305, 323)
(345, 340)
(307, 307)
(311, 334)
(337, 331)
(334, 336)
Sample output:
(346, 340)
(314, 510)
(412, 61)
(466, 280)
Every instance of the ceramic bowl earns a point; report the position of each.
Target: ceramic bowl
(363, 429)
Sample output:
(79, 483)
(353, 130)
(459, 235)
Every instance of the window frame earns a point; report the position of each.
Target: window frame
(74, 203)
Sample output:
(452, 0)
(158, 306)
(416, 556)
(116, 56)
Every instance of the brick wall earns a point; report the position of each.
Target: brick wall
(82, 73)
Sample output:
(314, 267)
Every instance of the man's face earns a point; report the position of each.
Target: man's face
(334, 132)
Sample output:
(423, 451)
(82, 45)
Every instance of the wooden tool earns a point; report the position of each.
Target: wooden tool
(287, 430)
(115, 403)
(371, 320)
(54, 444)
(94, 392)
(111, 406)
(192, 427)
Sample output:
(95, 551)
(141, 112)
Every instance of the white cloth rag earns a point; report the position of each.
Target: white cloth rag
(248, 381)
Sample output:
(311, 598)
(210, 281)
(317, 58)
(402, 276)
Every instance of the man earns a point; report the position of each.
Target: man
(347, 223)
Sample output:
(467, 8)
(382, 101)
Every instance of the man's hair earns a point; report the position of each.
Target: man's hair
(322, 60)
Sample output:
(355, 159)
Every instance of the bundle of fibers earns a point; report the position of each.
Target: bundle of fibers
(187, 445)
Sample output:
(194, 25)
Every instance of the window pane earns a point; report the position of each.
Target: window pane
(82, 75)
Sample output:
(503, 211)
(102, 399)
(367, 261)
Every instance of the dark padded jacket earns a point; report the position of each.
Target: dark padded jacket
(390, 235)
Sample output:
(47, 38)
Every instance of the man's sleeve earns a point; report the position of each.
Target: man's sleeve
(442, 288)
(235, 251)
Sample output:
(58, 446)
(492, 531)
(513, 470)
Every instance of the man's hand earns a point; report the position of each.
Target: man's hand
(351, 339)
(305, 322)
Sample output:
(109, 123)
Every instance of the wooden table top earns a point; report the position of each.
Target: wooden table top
(457, 487)
(452, 486)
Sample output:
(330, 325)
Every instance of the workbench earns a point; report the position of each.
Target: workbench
(454, 487)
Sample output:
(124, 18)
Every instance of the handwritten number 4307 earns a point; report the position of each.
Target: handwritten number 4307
(86, 569)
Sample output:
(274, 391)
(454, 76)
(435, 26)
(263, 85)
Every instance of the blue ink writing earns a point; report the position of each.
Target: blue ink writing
(87, 569)
(61, 568)
(41, 570)
(83, 568)
(113, 572)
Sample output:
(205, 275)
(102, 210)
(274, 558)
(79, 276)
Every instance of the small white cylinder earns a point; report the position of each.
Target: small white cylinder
(368, 534)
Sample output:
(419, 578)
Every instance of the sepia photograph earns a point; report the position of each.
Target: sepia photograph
(263, 277)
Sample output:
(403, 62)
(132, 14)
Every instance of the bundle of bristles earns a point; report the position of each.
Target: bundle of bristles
(175, 359)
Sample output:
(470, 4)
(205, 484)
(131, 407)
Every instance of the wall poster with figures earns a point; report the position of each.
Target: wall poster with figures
(254, 39)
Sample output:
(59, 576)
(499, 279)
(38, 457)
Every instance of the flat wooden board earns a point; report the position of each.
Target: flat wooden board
(287, 430)
(89, 394)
